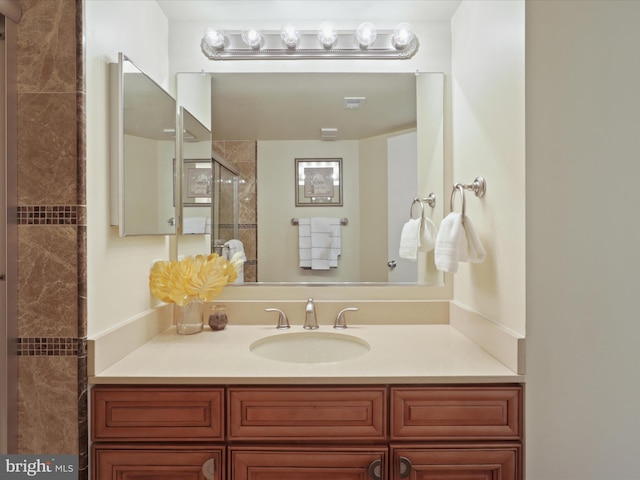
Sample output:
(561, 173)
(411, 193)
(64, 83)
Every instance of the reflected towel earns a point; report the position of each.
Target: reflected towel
(410, 239)
(234, 247)
(319, 242)
(457, 242)
(194, 225)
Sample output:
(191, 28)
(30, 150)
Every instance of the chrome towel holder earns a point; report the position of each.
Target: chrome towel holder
(429, 200)
(478, 186)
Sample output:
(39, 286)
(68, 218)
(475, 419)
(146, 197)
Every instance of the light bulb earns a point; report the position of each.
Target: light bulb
(213, 39)
(252, 38)
(366, 34)
(402, 36)
(290, 36)
(327, 34)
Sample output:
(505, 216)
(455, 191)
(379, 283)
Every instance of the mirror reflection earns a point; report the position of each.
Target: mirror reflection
(144, 118)
(386, 129)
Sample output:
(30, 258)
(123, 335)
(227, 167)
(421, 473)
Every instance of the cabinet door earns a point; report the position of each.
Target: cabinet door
(134, 462)
(247, 463)
(490, 462)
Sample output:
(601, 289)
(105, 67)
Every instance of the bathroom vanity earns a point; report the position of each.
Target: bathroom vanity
(422, 402)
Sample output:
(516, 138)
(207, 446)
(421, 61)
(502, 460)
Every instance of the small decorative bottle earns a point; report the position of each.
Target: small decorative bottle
(216, 315)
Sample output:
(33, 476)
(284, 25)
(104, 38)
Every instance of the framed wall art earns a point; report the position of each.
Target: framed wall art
(318, 182)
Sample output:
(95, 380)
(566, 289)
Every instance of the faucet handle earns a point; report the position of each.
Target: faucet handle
(283, 321)
(341, 322)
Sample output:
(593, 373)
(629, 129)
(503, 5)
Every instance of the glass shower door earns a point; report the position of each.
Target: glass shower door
(224, 206)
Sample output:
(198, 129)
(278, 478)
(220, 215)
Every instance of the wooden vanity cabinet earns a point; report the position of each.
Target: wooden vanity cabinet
(144, 433)
(456, 432)
(311, 432)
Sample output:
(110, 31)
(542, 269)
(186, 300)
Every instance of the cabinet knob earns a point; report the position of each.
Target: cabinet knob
(405, 467)
(209, 469)
(375, 470)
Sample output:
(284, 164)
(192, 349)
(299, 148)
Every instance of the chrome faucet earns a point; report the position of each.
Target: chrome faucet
(283, 321)
(341, 321)
(310, 320)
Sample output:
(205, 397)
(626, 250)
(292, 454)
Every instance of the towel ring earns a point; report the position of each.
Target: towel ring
(458, 187)
(416, 200)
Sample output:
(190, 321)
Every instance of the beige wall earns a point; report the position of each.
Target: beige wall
(583, 72)
(118, 267)
(488, 140)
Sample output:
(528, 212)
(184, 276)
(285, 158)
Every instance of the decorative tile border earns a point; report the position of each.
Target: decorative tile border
(48, 215)
(49, 346)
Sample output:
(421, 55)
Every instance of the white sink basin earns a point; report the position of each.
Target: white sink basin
(310, 347)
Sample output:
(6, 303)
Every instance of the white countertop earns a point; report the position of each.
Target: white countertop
(399, 354)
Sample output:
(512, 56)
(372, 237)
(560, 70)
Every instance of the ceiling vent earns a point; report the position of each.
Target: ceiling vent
(329, 134)
(352, 103)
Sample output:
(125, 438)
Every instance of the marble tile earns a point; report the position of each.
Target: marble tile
(47, 405)
(47, 281)
(248, 239)
(46, 43)
(47, 149)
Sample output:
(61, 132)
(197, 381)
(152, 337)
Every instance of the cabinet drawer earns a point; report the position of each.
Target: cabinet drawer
(456, 413)
(157, 413)
(490, 461)
(307, 414)
(344, 463)
(136, 462)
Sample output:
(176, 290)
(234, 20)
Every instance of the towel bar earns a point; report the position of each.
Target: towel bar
(343, 221)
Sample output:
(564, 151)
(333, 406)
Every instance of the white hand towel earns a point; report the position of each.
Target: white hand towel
(336, 243)
(451, 244)
(410, 239)
(429, 234)
(320, 243)
(304, 242)
(457, 242)
(476, 250)
(194, 225)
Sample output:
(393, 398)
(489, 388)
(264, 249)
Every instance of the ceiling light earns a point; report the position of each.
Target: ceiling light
(290, 36)
(366, 34)
(253, 38)
(402, 36)
(327, 34)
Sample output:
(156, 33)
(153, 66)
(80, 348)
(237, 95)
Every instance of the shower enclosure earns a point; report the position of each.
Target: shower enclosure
(224, 205)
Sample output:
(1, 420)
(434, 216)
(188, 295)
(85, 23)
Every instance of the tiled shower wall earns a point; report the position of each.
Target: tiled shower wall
(242, 155)
(51, 231)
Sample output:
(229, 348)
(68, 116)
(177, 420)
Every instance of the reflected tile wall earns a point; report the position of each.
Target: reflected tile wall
(52, 408)
(242, 155)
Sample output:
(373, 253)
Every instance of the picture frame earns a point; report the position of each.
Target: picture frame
(197, 182)
(318, 182)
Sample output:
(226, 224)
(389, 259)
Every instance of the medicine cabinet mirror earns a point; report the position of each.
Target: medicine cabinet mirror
(143, 123)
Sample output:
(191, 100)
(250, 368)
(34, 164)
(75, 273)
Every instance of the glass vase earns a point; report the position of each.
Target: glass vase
(188, 318)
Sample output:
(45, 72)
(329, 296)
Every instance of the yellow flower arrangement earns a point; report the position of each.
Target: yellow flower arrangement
(198, 278)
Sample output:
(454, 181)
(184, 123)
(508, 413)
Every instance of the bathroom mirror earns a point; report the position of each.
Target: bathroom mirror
(262, 122)
(143, 122)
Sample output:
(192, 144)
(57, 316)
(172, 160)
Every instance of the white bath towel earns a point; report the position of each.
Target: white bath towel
(234, 247)
(410, 239)
(319, 242)
(428, 237)
(457, 242)
(194, 225)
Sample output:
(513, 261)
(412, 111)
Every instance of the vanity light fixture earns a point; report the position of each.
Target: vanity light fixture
(252, 38)
(290, 36)
(366, 34)
(325, 42)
